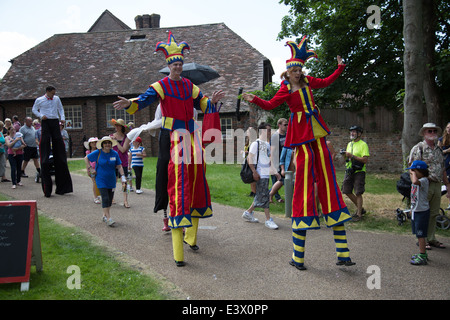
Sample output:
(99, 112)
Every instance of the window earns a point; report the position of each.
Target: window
(112, 113)
(137, 37)
(74, 120)
(226, 126)
(29, 113)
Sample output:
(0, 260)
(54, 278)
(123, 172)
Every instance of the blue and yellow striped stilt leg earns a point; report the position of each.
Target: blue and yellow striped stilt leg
(298, 256)
(342, 251)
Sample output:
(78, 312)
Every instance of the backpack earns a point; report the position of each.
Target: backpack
(246, 172)
(404, 185)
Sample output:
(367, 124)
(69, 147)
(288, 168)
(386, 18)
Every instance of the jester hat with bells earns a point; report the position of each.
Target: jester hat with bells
(172, 50)
(300, 54)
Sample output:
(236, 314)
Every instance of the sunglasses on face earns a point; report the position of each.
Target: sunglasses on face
(432, 131)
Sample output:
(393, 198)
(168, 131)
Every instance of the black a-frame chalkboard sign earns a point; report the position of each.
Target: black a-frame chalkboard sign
(20, 243)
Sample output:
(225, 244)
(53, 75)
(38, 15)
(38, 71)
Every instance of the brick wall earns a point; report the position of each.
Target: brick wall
(385, 149)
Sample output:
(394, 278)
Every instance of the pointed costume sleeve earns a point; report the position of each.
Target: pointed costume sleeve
(281, 96)
(317, 83)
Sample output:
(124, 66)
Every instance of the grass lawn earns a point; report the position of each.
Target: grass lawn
(103, 276)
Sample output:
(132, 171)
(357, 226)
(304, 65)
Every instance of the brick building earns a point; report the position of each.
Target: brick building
(89, 71)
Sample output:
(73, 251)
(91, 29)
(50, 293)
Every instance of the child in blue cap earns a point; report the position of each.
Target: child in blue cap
(420, 208)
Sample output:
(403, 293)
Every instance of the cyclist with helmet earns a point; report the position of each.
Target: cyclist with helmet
(357, 156)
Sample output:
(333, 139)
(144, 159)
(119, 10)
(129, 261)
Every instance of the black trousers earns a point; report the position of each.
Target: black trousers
(52, 144)
(162, 196)
(138, 172)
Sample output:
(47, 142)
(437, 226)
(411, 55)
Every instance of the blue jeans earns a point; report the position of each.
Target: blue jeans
(16, 167)
(274, 180)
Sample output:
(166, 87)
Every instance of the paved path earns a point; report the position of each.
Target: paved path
(240, 260)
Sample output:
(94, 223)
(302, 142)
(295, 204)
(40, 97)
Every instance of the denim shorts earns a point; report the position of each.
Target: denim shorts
(262, 193)
(419, 223)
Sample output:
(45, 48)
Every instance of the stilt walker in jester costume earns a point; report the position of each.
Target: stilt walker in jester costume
(306, 134)
(188, 190)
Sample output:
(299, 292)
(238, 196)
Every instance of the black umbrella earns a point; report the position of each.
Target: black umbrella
(197, 73)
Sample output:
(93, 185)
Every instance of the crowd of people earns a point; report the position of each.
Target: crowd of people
(18, 145)
(298, 145)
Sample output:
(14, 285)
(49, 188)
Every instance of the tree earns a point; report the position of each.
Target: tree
(376, 57)
(414, 73)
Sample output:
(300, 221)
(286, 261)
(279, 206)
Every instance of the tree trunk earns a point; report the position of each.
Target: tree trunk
(413, 67)
(429, 43)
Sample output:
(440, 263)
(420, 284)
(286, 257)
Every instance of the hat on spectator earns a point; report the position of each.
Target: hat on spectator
(418, 164)
(87, 143)
(106, 138)
(429, 125)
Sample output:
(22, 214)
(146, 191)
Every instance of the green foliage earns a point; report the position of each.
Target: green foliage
(374, 57)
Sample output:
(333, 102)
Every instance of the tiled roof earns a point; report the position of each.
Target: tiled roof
(111, 63)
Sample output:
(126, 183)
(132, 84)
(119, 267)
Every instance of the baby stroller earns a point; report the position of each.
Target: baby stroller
(404, 188)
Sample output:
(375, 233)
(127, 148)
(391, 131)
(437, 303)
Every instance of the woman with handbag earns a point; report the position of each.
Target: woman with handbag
(107, 162)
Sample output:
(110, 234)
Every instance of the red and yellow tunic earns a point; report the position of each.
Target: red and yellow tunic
(187, 186)
(305, 123)
(306, 133)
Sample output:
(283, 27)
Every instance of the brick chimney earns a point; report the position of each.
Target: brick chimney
(147, 21)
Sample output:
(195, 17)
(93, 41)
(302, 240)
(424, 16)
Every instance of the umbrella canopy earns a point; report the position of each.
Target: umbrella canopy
(197, 73)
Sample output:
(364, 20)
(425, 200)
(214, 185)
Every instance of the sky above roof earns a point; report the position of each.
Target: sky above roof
(24, 24)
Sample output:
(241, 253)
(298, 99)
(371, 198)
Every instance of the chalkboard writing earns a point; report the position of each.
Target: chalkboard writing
(20, 243)
(14, 229)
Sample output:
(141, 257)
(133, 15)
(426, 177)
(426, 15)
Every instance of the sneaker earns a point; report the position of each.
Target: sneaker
(104, 219)
(419, 260)
(249, 217)
(97, 200)
(139, 191)
(270, 224)
(110, 222)
(13, 186)
(24, 175)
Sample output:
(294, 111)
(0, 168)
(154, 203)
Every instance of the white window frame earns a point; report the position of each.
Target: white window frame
(74, 114)
(226, 125)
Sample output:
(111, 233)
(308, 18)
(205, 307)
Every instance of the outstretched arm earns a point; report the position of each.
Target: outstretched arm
(317, 83)
(122, 103)
(280, 97)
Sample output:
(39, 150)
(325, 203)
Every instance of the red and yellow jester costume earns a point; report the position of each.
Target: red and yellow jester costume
(188, 190)
(306, 134)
